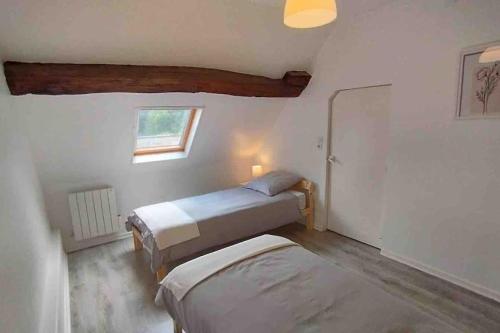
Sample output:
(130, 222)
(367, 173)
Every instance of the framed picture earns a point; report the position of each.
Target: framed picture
(479, 87)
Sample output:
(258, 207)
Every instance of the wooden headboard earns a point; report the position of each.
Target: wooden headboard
(307, 187)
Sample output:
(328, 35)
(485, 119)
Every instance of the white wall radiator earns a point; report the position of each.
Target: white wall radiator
(94, 213)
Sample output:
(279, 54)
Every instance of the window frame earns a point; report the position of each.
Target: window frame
(170, 149)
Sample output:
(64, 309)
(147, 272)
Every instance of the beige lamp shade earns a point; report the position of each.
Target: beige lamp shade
(492, 54)
(256, 171)
(309, 13)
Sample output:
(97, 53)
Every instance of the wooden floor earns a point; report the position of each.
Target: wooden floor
(112, 289)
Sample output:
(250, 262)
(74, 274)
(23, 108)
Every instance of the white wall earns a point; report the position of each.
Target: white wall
(443, 181)
(32, 270)
(84, 142)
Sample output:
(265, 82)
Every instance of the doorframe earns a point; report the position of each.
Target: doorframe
(328, 194)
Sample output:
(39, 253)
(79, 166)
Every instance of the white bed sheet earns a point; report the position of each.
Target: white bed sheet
(302, 198)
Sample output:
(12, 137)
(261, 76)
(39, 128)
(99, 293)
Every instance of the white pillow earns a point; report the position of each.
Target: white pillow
(274, 182)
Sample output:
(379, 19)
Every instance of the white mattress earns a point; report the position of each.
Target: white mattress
(302, 198)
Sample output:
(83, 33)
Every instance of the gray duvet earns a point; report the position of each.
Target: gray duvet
(294, 290)
(222, 217)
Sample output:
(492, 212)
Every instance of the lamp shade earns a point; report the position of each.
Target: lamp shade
(256, 171)
(492, 54)
(309, 13)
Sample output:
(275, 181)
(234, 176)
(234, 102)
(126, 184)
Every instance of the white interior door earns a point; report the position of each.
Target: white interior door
(359, 148)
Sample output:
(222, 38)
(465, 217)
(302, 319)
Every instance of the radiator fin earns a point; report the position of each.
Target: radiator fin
(94, 213)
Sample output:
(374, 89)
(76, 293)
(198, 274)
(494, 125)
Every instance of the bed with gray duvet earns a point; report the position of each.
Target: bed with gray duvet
(210, 220)
(175, 231)
(270, 284)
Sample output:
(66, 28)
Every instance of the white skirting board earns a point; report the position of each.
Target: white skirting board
(486, 292)
(98, 241)
(56, 316)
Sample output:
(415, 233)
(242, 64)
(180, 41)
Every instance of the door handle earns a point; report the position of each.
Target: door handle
(332, 159)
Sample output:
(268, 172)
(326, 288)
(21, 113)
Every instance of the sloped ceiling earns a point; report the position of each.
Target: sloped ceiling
(238, 35)
(241, 35)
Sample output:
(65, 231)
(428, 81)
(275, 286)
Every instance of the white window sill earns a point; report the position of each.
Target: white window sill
(158, 157)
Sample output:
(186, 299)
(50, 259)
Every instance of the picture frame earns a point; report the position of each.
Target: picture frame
(476, 97)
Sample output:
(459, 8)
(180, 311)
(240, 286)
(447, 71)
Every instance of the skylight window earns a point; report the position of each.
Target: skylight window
(164, 130)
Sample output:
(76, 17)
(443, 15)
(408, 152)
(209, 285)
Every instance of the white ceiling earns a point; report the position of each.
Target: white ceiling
(240, 35)
(270, 3)
(228, 34)
(346, 7)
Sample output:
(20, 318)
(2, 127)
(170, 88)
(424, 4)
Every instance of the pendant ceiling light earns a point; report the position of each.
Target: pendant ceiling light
(309, 13)
(492, 54)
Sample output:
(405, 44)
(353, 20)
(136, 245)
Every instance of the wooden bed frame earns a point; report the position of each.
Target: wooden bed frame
(305, 186)
(177, 327)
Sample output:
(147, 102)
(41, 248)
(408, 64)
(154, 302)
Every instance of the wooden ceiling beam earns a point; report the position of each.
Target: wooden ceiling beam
(76, 79)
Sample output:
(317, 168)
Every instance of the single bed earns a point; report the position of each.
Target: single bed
(270, 284)
(219, 218)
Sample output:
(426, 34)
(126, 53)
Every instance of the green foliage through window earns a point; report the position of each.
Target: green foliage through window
(162, 122)
(163, 128)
